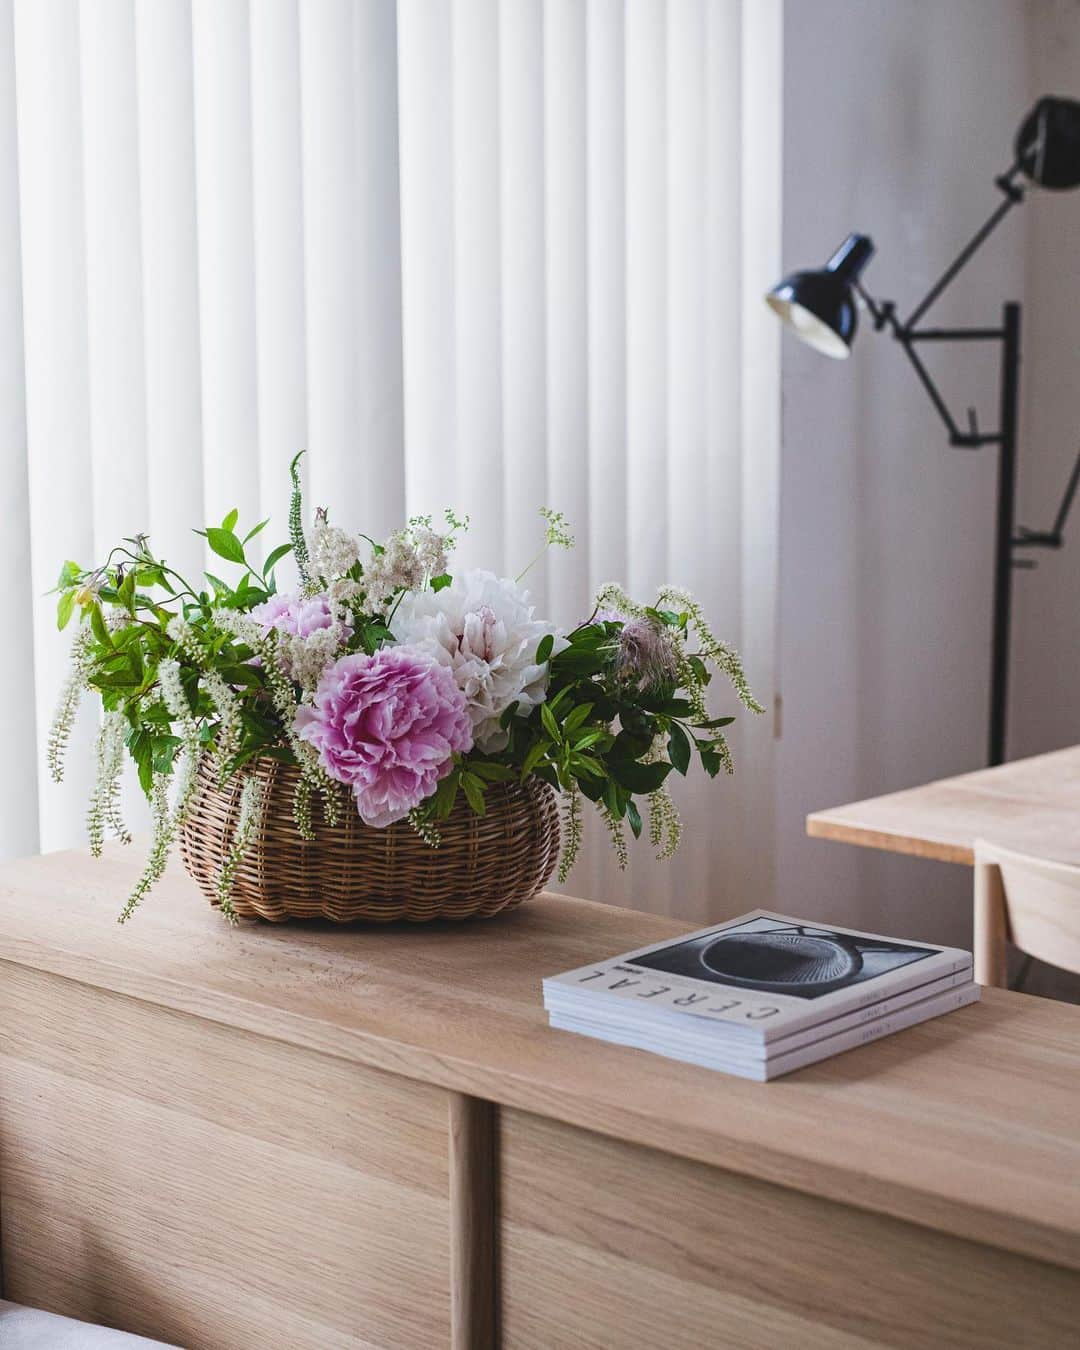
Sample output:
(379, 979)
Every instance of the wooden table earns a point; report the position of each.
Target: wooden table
(304, 1137)
(1032, 805)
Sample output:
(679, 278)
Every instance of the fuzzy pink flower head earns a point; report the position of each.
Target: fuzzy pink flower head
(296, 614)
(387, 725)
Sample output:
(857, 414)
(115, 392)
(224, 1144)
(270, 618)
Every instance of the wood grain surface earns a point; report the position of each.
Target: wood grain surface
(1031, 805)
(968, 1124)
(668, 1252)
(199, 1184)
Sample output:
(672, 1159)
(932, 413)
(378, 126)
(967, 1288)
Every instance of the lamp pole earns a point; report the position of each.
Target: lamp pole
(1005, 541)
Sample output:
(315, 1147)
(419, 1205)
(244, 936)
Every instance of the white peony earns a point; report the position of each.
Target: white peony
(482, 627)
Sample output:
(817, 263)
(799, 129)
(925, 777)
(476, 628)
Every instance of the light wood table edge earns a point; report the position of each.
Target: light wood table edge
(832, 826)
(928, 1208)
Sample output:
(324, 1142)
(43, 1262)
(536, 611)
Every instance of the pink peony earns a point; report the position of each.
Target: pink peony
(387, 726)
(296, 614)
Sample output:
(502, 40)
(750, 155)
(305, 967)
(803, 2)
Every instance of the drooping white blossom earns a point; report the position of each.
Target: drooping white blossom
(67, 705)
(104, 809)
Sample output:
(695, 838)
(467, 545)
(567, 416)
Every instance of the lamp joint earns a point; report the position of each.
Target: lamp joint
(1005, 183)
(883, 313)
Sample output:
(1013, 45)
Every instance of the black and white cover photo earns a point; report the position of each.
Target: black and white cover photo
(784, 957)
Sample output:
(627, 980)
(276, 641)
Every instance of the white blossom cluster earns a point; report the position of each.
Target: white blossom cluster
(342, 593)
(333, 550)
(408, 558)
(166, 820)
(250, 816)
(313, 777)
(104, 807)
(67, 705)
(174, 698)
(305, 658)
(226, 704)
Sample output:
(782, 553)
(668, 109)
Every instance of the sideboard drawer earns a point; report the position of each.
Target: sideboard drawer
(667, 1251)
(295, 1200)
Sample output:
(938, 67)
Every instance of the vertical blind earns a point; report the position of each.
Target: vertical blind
(491, 254)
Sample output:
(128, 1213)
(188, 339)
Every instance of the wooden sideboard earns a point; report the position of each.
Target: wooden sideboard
(305, 1137)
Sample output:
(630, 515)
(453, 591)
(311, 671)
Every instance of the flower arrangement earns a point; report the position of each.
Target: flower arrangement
(391, 684)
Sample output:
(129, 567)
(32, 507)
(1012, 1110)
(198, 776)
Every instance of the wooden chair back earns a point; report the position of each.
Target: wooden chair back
(1030, 902)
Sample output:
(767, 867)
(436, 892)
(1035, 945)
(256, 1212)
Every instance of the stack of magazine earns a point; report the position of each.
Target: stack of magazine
(762, 994)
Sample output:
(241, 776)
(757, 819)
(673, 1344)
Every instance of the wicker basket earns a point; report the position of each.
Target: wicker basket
(351, 872)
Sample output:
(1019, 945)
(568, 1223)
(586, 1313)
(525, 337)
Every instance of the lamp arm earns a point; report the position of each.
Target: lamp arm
(1055, 536)
(1014, 194)
(883, 313)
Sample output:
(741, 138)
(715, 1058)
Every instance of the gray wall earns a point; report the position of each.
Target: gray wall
(1046, 665)
(898, 114)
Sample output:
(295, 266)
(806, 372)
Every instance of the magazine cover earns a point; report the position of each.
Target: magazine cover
(764, 973)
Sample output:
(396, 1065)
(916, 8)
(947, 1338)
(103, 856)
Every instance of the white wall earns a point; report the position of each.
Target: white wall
(898, 114)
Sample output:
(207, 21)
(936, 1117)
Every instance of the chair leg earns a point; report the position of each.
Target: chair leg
(1020, 978)
(991, 946)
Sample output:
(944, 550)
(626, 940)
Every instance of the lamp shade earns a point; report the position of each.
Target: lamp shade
(818, 307)
(1048, 143)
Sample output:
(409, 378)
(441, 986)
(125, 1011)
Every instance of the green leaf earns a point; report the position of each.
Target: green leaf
(550, 725)
(543, 651)
(642, 778)
(473, 788)
(225, 544)
(678, 748)
(533, 758)
(669, 707)
(275, 557)
(571, 661)
(64, 607)
(69, 574)
(614, 799)
(492, 773)
(253, 532)
(508, 714)
(714, 723)
(629, 747)
(579, 715)
(441, 582)
(446, 795)
(589, 738)
(97, 624)
(589, 635)
(587, 765)
(126, 593)
(141, 747)
(229, 523)
(563, 696)
(633, 815)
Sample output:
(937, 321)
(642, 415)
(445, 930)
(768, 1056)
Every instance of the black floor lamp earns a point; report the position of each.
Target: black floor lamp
(819, 307)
